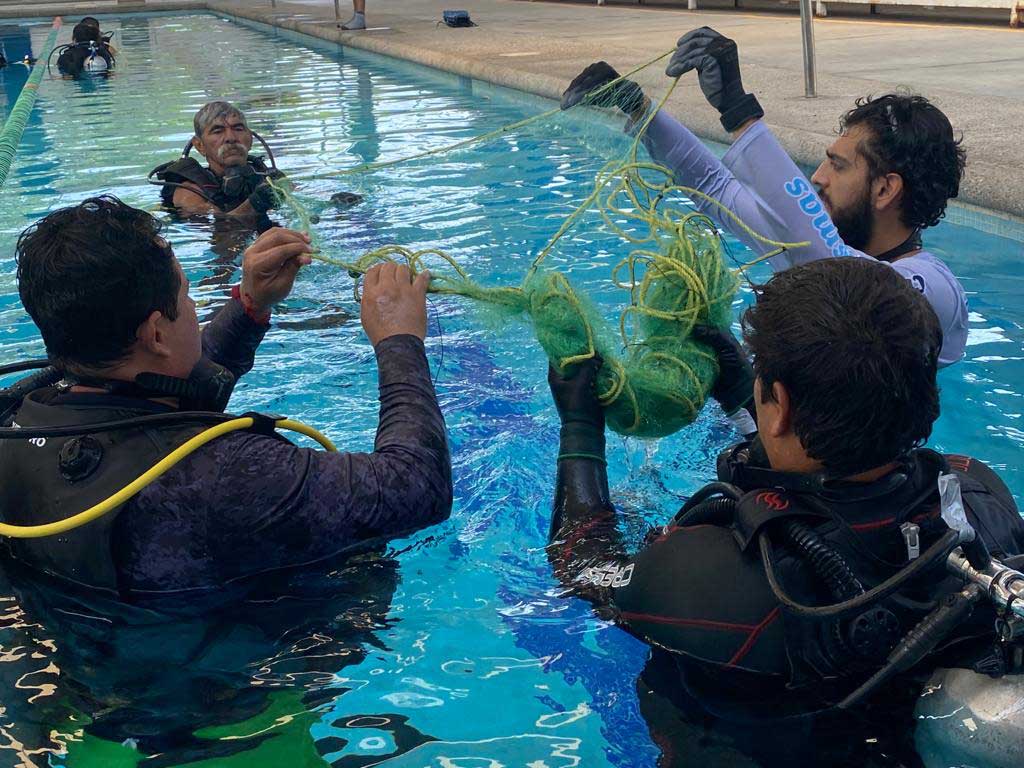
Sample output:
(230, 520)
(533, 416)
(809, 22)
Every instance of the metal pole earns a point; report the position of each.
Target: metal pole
(807, 32)
(337, 11)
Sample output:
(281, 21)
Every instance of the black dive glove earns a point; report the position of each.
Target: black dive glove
(575, 396)
(718, 70)
(265, 197)
(734, 388)
(625, 94)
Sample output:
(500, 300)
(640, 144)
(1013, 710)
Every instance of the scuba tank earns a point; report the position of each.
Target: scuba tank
(95, 61)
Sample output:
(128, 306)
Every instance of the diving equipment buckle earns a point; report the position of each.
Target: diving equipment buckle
(912, 536)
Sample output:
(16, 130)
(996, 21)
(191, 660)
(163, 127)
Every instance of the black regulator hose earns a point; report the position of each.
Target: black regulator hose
(934, 555)
(24, 365)
(708, 512)
(702, 507)
(920, 641)
(828, 564)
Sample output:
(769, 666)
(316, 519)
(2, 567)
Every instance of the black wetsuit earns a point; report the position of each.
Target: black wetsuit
(245, 503)
(723, 646)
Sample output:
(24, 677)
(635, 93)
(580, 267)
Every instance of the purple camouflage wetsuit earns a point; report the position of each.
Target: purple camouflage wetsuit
(760, 183)
(248, 503)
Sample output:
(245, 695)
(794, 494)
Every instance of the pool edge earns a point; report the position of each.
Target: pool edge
(988, 188)
(995, 196)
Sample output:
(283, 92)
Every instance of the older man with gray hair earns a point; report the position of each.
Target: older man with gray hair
(235, 183)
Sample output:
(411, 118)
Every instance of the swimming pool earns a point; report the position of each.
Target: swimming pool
(466, 651)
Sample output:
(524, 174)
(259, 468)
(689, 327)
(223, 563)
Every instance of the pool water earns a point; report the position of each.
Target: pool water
(457, 648)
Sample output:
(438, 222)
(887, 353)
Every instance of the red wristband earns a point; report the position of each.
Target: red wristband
(261, 318)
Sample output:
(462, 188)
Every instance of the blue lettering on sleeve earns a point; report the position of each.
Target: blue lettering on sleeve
(796, 187)
(810, 205)
(820, 220)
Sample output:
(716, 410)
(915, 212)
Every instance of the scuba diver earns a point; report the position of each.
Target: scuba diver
(131, 379)
(886, 178)
(235, 183)
(89, 51)
(825, 568)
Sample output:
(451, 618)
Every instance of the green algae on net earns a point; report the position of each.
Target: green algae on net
(655, 377)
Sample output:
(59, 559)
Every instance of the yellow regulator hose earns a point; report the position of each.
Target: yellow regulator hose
(153, 473)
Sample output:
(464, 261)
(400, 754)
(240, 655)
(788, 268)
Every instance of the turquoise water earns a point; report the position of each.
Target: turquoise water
(466, 650)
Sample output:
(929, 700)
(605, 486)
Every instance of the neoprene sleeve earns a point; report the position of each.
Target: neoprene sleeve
(247, 503)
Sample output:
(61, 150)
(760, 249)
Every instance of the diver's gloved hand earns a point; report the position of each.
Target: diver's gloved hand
(717, 62)
(575, 396)
(346, 199)
(575, 393)
(625, 94)
(734, 388)
(264, 198)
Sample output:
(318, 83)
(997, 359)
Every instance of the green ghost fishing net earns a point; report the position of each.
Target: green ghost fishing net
(655, 377)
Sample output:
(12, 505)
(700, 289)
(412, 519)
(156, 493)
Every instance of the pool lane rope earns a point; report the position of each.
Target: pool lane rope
(13, 129)
(655, 377)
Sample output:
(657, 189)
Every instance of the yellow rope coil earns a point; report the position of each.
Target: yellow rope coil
(675, 277)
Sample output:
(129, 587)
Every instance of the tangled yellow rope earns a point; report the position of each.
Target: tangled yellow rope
(655, 379)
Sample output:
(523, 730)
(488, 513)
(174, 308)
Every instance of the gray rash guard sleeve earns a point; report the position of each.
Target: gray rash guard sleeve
(758, 182)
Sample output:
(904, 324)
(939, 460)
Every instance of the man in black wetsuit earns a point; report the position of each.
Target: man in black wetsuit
(833, 498)
(235, 183)
(112, 304)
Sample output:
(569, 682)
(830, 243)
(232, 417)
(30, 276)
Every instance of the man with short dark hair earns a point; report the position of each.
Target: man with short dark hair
(888, 175)
(234, 182)
(113, 307)
(762, 589)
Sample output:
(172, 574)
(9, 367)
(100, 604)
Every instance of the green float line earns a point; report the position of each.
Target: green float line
(10, 137)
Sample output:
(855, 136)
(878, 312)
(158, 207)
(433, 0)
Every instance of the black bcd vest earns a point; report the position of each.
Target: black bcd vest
(188, 169)
(862, 524)
(43, 480)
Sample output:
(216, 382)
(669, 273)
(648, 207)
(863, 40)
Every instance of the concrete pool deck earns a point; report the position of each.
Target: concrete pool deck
(973, 72)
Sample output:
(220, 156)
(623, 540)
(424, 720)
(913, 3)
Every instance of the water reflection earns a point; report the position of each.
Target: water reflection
(245, 673)
(475, 658)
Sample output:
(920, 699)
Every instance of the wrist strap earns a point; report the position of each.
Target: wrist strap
(745, 108)
(590, 456)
